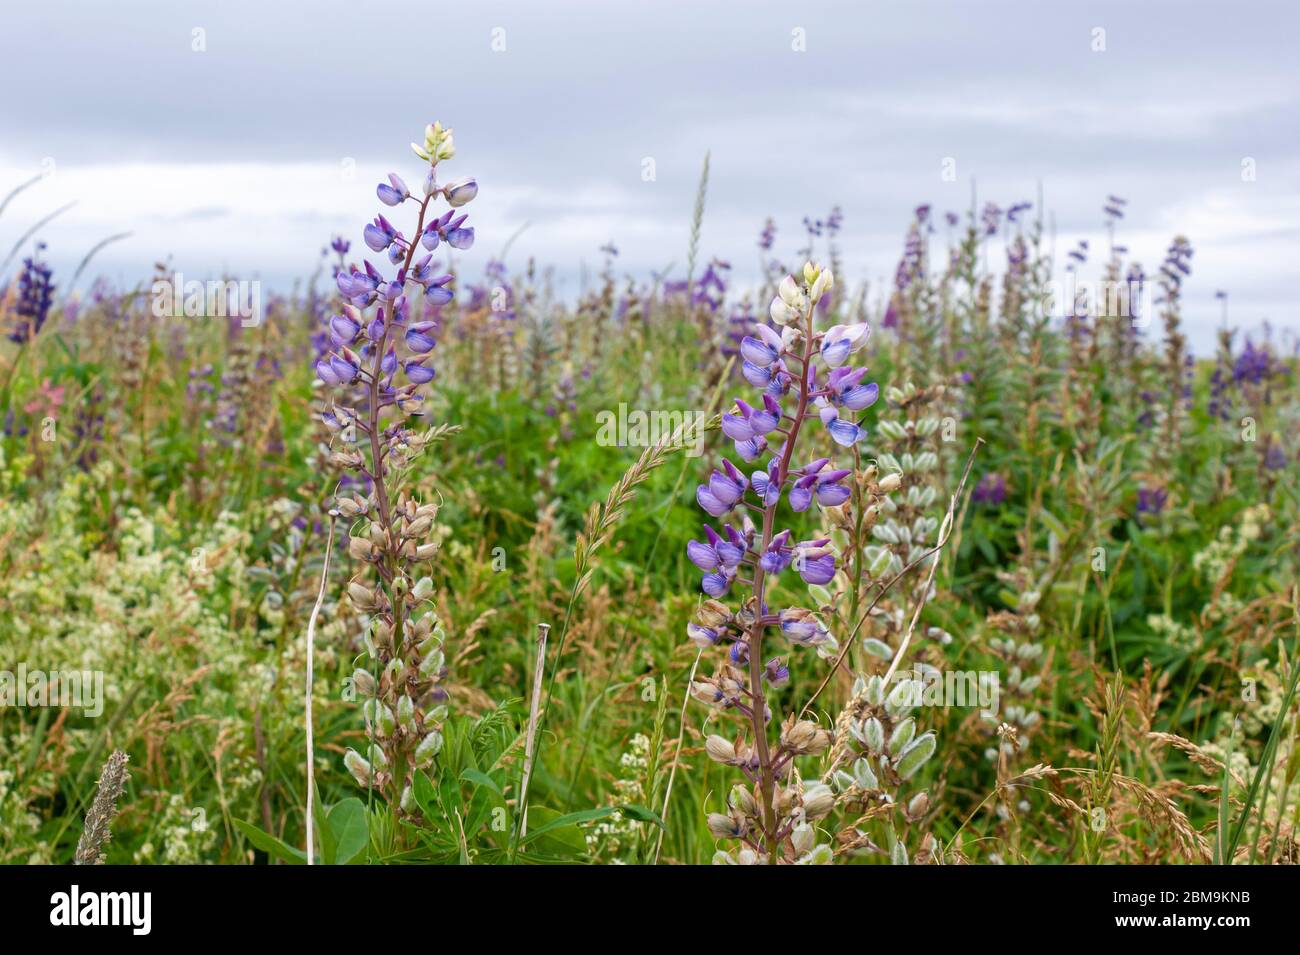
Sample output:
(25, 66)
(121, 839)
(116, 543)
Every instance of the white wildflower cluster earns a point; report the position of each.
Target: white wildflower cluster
(609, 838)
(18, 823)
(1216, 558)
(149, 609)
(1171, 631)
(180, 836)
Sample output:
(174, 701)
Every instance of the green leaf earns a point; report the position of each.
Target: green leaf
(425, 796)
(641, 814)
(557, 834)
(555, 821)
(482, 779)
(270, 844)
(350, 829)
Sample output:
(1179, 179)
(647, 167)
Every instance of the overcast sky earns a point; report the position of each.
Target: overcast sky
(245, 156)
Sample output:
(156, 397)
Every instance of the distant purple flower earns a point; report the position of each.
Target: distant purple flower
(991, 218)
(35, 297)
(991, 489)
(1151, 500)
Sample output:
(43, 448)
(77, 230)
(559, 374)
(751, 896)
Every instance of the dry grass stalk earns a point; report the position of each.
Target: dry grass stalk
(99, 818)
(534, 712)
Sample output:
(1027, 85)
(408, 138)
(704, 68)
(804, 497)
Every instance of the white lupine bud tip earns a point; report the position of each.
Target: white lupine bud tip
(788, 290)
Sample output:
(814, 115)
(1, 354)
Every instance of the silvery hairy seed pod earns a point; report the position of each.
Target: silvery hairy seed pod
(876, 752)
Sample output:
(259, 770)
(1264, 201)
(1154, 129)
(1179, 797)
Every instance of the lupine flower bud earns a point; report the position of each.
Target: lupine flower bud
(821, 285)
(460, 192)
(805, 738)
(364, 682)
(347, 507)
(394, 194)
(903, 697)
(727, 826)
(419, 337)
(818, 800)
(890, 482)
(380, 717)
(918, 805)
(419, 527)
(742, 800)
(712, 614)
(359, 548)
(432, 664)
(343, 330)
(719, 749)
(423, 588)
(843, 340)
(362, 598)
(707, 692)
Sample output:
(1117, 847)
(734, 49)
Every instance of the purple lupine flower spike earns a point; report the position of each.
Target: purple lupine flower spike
(740, 682)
